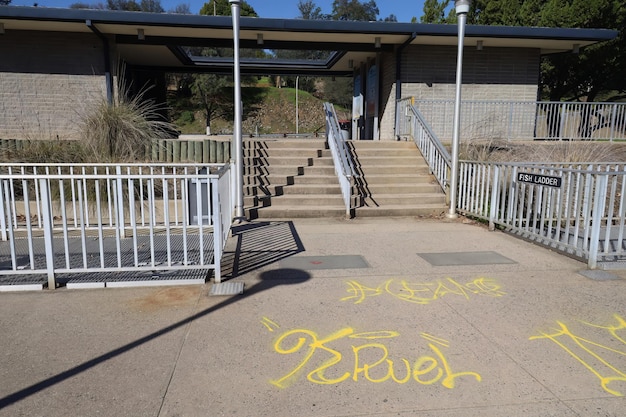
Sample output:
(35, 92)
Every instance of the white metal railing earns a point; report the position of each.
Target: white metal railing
(578, 209)
(344, 167)
(113, 217)
(527, 120)
(411, 124)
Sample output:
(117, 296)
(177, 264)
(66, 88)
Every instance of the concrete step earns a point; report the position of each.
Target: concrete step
(287, 152)
(406, 199)
(286, 161)
(400, 179)
(284, 143)
(289, 179)
(295, 212)
(322, 200)
(384, 189)
(384, 152)
(423, 210)
(278, 160)
(371, 161)
(382, 144)
(279, 190)
(319, 171)
(387, 170)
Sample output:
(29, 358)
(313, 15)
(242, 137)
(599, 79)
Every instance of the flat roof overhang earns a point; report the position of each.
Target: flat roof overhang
(165, 36)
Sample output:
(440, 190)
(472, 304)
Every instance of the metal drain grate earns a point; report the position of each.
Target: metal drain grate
(227, 288)
(598, 275)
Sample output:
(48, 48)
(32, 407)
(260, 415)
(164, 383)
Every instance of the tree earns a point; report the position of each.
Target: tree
(596, 70)
(391, 18)
(355, 10)
(223, 8)
(182, 8)
(5, 2)
(127, 5)
(310, 11)
(496, 12)
(434, 11)
(214, 94)
(152, 6)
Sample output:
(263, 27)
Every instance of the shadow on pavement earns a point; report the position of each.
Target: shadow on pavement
(258, 244)
(268, 280)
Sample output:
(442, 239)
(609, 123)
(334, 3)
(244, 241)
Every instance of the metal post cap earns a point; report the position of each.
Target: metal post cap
(234, 1)
(461, 6)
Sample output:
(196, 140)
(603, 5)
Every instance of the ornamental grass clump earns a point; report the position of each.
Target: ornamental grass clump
(123, 131)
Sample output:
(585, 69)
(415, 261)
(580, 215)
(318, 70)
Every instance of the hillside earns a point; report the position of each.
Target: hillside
(267, 110)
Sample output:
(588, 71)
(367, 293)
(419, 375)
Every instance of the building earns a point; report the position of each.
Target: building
(56, 63)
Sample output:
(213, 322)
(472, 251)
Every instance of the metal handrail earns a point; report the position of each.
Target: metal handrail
(528, 120)
(344, 167)
(410, 123)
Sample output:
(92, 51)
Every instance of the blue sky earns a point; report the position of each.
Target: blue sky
(403, 9)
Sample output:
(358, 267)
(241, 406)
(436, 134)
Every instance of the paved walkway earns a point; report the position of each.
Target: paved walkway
(368, 317)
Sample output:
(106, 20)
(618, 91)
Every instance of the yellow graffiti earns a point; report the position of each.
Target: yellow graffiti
(269, 324)
(370, 360)
(423, 293)
(593, 354)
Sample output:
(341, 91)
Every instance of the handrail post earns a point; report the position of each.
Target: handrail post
(47, 230)
(120, 202)
(596, 222)
(3, 220)
(494, 198)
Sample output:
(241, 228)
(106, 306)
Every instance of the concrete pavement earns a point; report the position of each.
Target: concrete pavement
(366, 317)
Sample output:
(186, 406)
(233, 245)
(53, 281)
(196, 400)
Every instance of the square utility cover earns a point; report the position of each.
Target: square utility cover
(324, 262)
(465, 258)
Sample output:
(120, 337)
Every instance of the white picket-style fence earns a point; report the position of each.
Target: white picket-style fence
(68, 219)
(577, 209)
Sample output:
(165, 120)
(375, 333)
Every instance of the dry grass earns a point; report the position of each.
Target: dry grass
(539, 151)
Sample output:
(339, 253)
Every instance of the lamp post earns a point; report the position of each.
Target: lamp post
(237, 138)
(462, 8)
(297, 80)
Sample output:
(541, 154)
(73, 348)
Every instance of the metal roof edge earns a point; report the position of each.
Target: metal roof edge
(298, 25)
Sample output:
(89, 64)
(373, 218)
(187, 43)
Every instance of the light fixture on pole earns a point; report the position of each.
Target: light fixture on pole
(462, 8)
(237, 136)
(297, 121)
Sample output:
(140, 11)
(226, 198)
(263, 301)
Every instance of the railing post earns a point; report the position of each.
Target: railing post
(214, 186)
(120, 202)
(46, 212)
(596, 222)
(613, 121)
(493, 201)
(3, 220)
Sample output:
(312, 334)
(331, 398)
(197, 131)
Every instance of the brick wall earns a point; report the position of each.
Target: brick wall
(429, 73)
(47, 81)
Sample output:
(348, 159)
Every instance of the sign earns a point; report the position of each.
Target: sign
(539, 179)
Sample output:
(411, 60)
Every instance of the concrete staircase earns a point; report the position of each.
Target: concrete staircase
(296, 178)
(290, 179)
(395, 180)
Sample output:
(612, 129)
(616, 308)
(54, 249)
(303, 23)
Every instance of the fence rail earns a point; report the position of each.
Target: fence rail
(411, 124)
(206, 151)
(576, 209)
(113, 218)
(344, 167)
(523, 120)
